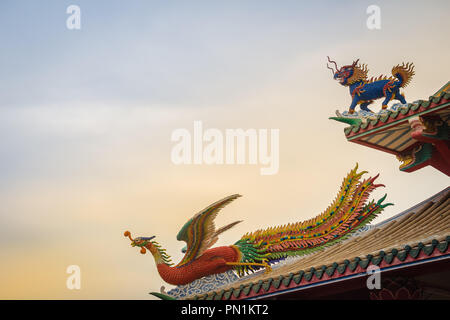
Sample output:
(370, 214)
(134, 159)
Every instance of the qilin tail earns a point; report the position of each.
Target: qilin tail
(403, 73)
(347, 213)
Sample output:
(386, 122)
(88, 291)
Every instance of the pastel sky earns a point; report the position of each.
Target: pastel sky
(86, 118)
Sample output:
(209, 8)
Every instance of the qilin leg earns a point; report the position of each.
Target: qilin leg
(352, 107)
(386, 101)
(389, 93)
(400, 97)
(364, 105)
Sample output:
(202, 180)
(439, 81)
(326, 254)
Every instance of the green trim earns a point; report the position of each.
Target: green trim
(350, 121)
(162, 296)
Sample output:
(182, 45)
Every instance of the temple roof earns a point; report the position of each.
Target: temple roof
(389, 131)
(418, 235)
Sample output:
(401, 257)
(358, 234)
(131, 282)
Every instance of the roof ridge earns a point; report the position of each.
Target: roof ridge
(445, 88)
(433, 198)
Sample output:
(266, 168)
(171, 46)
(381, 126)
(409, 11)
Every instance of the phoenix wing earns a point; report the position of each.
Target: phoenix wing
(200, 233)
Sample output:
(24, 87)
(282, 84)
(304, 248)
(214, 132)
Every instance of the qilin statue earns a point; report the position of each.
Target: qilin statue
(349, 211)
(364, 91)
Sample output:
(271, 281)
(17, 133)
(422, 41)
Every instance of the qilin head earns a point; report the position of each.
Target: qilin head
(348, 74)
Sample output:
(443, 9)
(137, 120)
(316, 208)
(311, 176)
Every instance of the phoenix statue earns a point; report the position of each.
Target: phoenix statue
(349, 212)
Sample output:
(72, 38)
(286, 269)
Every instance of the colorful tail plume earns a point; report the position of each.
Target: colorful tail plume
(347, 213)
(404, 73)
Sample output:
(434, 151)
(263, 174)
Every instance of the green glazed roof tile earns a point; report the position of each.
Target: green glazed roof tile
(297, 278)
(384, 117)
(308, 276)
(219, 295)
(428, 249)
(414, 252)
(287, 280)
(247, 289)
(227, 294)
(364, 263)
(330, 270)
(389, 257)
(347, 130)
(402, 255)
(377, 260)
(354, 263)
(436, 99)
(404, 110)
(365, 125)
(394, 114)
(257, 286)
(266, 284)
(442, 247)
(355, 128)
(425, 104)
(277, 282)
(319, 273)
(341, 269)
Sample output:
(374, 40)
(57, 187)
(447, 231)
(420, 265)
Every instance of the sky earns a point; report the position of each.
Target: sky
(86, 118)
